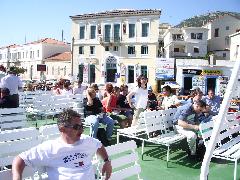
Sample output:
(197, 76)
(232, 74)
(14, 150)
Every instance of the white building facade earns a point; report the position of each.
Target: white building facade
(218, 35)
(234, 46)
(31, 54)
(185, 42)
(115, 46)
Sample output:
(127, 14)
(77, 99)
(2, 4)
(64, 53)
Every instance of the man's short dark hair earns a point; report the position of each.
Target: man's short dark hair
(66, 116)
(200, 103)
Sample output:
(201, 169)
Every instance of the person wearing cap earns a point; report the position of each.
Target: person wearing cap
(67, 157)
(14, 84)
(5, 100)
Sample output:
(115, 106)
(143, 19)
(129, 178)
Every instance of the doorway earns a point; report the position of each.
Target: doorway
(187, 81)
(211, 83)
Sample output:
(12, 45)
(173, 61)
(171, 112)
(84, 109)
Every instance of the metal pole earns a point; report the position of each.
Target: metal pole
(222, 113)
(72, 57)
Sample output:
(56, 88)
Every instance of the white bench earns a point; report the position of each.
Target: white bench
(28, 174)
(135, 132)
(48, 132)
(13, 142)
(11, 118)
(161, 122)
(124, 160)
(228, 146)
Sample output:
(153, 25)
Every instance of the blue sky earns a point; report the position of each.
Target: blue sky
(38, 19)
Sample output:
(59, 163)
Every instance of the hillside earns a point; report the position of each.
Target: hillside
(198, 21)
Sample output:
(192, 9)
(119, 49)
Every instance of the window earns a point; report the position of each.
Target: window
(116, 32)
(145, 29)
(26, 54)
(227, 41)
(236, 53)
(23, 54)
(227, 28)
(92, 49)
(224, 55)
(82, 32)
(81, 49)
(131, 49)
(176, 50)
(31, 54)
(37, 53)
(18, 55)
(65, 71)
(58, 70)
(178, 37)
(144, 49)
(144, 70)
(131, 74)
(115, 48)
(216, 32)
(196, 50)
(106, 48)
(131, 29)
(52, 70)
(199, 35)
(193, 36)
(0, 56)
(107, 33)
(93, 32)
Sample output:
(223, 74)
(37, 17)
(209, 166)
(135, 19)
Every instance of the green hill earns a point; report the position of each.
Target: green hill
(198, 21)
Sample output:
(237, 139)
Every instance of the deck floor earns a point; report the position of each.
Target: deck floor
(180, 167)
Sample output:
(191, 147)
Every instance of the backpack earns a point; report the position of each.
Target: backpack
(102, 136)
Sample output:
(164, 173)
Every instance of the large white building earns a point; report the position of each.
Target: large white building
(218, 35)
(234, 46)
(115, 46)
(185, 42)
(31, 54)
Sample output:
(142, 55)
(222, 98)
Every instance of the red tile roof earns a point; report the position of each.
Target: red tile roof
(48, 41)
(66, 56)
(10, 46)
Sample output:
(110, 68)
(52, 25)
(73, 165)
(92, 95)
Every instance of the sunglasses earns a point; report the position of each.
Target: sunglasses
(75, 126)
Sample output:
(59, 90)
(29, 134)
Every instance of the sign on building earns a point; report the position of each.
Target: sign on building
(164, 68)
(41, 67)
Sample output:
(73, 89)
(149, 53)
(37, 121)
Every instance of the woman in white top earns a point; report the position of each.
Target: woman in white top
(141, 98)
(169, 100)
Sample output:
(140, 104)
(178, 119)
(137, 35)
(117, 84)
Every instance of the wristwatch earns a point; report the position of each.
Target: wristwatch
(107, 159)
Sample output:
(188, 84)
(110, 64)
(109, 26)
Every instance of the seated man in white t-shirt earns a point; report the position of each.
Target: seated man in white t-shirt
(67, 157)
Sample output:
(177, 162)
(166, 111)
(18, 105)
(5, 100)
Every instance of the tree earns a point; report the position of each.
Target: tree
(17, 70)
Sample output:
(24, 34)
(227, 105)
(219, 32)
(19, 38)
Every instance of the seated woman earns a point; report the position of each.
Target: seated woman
(169, 100)
(93, 111)
(152, 100)
(110, 106)
(124, 106)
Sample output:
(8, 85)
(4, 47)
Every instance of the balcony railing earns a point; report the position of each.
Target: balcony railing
(179, 54)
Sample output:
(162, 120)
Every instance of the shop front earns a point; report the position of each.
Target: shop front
(205, 78)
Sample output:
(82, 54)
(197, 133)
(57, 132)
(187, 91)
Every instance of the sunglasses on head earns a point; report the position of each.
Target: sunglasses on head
(75, 126)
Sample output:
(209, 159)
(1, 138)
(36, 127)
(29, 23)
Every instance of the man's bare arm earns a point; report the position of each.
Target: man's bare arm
(17, 168)
(185, 125)
(107, 167)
